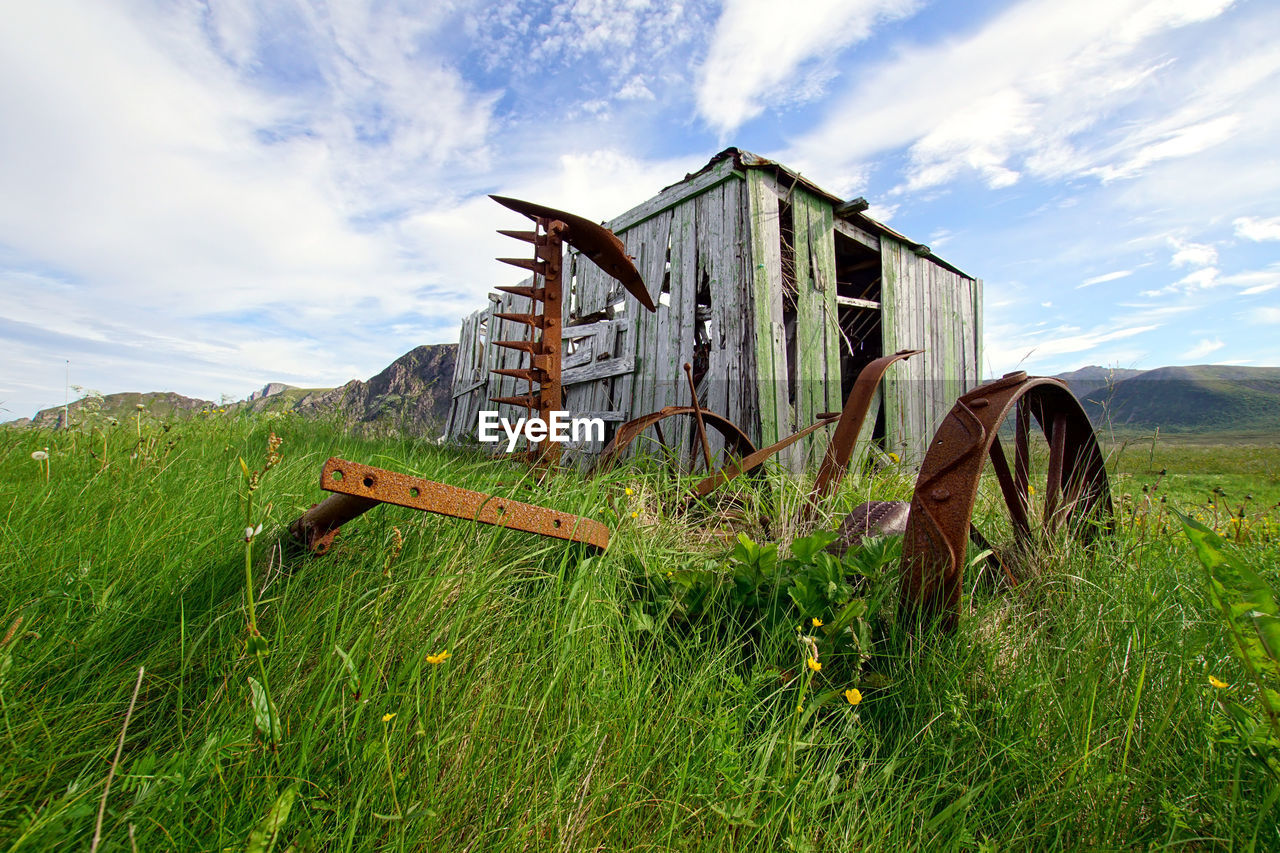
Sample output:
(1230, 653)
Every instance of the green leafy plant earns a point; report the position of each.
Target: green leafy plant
(1246, 605)
(837, 598)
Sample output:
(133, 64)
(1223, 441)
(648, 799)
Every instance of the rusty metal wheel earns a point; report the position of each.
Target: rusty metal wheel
(1067, 497)
(735, 440)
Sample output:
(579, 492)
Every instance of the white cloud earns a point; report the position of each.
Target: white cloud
(1258, 230)
(1099, 279)
(1203, 348)
(635, 90)
(1023, 93)
(1011, 347)
(1177, 143)
(1192, 254)
(1266, 315)
(758, 46)
(169, 185)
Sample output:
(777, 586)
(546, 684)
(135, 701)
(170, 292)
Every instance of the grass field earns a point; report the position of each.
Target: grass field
(630, 700)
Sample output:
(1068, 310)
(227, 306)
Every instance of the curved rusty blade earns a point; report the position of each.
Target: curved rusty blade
(600, 245)
(836, 461)
(371, 486)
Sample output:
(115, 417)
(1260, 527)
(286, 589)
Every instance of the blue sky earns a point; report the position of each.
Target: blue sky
(206, 196)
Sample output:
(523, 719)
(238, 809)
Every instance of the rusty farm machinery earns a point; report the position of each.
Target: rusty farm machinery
(1069, 494)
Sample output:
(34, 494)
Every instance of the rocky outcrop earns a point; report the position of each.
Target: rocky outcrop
(410, 396)
(270, 390)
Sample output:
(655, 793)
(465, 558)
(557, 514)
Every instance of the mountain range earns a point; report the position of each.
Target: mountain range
(1195, 399)
(412, 395)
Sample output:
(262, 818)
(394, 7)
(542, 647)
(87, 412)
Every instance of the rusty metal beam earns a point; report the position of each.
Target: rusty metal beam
(359, 488)
(697, 415)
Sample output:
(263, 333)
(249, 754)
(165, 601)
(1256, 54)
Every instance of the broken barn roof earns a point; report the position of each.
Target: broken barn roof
(850, 211)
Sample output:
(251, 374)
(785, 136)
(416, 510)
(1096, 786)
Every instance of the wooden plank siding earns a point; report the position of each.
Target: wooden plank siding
(925, 306)
(770, 350)
(817, 328)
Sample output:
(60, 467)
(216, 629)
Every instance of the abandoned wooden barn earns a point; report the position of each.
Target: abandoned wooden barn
(776, 291)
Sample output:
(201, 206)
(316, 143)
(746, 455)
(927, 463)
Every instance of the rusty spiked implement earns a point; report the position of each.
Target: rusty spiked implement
(552, 229)
(357, 488)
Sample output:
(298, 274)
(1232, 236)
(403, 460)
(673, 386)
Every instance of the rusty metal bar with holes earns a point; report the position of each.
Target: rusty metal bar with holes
(358, 488)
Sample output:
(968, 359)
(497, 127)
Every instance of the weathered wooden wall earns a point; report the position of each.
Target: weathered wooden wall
(926, 306)
(817, 335)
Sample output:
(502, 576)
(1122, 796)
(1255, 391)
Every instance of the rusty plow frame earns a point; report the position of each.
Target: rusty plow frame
(1074, 498)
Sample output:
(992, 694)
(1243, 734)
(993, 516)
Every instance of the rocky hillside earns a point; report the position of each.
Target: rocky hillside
(410, 395)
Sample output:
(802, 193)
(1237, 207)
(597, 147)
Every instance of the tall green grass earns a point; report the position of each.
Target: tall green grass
(1076, 712)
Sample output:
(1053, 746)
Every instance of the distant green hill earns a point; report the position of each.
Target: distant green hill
(1199, 398)
(161, 404)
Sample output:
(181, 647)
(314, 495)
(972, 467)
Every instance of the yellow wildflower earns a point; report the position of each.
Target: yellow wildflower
(817, 623)
(630, 491)
(799, 707)
(1031, 490)
(814, 665)
(386, 718)
(438, 658)
(894, 457)
(854, 695)
(1216, 683)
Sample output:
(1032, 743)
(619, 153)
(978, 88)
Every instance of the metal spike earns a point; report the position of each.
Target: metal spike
(539, 267)
(529, 401)
(524, 346)
(519, 290)
(527, 236)
(538, 321)
(531, 374)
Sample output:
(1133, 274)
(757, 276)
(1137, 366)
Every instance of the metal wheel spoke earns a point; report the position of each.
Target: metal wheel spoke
(1014, 500)
(1021, 448)
(1057, 455)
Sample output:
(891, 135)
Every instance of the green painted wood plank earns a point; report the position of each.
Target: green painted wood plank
(766, 277)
